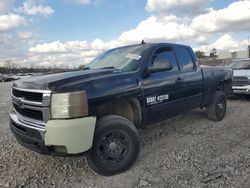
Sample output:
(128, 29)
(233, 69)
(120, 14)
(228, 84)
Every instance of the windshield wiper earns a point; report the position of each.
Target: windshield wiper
(111, 67)
(85, 68)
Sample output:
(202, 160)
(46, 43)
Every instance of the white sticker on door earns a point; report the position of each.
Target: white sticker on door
(156, 99)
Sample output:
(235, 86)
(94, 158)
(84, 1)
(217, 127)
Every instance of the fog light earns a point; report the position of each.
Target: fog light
(60, 149)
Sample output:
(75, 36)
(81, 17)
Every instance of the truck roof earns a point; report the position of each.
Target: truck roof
(166, 43)
(155, 44)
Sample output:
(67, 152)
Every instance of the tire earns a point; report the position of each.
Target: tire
(216, 110)
(116, 146)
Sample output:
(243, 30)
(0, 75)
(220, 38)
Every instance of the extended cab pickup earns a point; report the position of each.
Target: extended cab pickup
(98, 110)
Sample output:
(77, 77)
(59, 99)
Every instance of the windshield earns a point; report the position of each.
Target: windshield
(243, 64)
(125, 58)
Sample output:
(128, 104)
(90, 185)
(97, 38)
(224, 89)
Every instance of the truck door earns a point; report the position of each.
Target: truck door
(192, 76)
(164, 92)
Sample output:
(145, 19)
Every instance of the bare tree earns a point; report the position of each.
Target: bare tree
(8, 62)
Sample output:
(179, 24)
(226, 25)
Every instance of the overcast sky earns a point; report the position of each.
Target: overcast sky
(72, 32)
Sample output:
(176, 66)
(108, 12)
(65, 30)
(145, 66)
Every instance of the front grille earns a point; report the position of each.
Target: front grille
(240, 81)
(32, 105)
(29, 96)
(30, 113)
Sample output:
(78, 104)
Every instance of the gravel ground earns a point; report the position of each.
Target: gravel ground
(185, 151)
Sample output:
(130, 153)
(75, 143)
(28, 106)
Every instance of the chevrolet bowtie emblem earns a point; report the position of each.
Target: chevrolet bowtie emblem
(19, 102)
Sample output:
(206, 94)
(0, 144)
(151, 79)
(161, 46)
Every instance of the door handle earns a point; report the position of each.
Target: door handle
(180, 80)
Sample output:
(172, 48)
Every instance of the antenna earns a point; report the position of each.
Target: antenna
(143, 42)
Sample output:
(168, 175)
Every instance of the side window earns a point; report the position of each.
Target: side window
(165, 53)
(185, 59)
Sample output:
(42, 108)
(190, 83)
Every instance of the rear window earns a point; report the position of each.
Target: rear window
(185, 59)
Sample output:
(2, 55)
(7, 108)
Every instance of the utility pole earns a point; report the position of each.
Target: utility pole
(8, 64)
(248, 47)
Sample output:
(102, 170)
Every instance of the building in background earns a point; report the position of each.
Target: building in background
(235, 54)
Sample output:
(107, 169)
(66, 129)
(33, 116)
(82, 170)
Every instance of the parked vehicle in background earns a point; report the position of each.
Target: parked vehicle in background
(241, 76)
(15, 77)
(10, 77)
(1, 78)
(24, 75)
(99, 109)
(7, 78)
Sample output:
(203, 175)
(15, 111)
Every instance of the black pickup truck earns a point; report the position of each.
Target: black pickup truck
(98, 110)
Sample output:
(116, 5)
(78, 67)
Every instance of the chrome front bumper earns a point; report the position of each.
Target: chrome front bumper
(26, 122)
(28, 135)
(74, 135)
(241, 89)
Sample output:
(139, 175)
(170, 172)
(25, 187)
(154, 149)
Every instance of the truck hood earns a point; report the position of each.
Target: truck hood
(243, 72)
(52, 81)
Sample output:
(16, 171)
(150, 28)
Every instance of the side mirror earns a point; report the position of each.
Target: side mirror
(160, 66)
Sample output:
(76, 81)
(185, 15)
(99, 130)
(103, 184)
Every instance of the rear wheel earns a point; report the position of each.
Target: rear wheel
(216, 110)
(115, 147)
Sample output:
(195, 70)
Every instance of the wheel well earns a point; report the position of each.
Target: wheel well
(127, 108)
(222, 86)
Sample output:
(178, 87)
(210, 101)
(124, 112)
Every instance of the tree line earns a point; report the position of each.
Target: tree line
(201, 54)
(7, 70)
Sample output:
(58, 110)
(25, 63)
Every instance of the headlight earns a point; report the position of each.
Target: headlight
(69, 105)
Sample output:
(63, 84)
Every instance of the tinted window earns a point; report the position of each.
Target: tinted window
(185, 58)
(240, 64)
(165, 54)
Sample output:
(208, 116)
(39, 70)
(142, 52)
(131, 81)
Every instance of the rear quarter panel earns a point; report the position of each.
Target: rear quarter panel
(213, 78)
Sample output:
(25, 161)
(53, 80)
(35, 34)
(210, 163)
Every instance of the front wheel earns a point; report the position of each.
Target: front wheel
(116, 146)
(216, 110)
